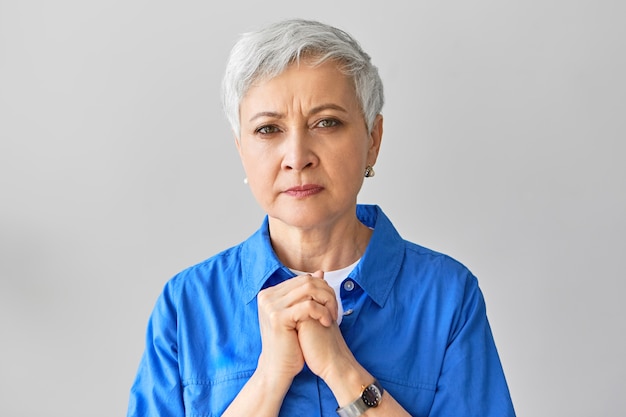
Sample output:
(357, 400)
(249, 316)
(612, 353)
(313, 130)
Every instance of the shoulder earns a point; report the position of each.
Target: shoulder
(431, 258)
(209, 273)
(442, 285)
(437, 269)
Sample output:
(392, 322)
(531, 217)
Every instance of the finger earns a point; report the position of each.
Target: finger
(325, 297)
(332, 302)
(311, 310)
(318, 274)
(303, 287)
(309, 287)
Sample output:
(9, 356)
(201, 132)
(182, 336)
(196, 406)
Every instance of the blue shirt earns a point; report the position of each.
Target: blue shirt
(414, 318)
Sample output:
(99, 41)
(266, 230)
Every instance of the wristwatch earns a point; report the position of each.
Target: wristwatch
(370, 397)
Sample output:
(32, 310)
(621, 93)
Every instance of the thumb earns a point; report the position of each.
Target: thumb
(318, 274)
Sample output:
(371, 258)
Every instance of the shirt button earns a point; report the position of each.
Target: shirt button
(348, 285)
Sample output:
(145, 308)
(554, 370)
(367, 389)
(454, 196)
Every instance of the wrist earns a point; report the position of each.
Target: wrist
(346, 382)
(262, 395)
(268, 378)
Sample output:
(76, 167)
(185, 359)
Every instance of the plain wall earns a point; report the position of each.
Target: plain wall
(503, 147)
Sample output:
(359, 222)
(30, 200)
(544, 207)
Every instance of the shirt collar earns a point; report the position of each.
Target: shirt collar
(381, 262)
(259, 262)
(376, 273)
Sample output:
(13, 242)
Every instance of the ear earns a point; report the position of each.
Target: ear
(237, 144)
(376, 137)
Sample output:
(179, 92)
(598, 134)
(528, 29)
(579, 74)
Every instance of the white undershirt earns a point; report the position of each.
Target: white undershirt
(334, 279)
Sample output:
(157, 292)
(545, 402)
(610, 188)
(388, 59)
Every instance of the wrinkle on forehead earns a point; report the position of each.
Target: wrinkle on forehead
(303, 90)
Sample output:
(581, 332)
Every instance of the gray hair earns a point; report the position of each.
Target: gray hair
(266, 53)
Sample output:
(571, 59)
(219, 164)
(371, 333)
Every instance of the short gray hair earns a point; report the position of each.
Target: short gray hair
(266, 53)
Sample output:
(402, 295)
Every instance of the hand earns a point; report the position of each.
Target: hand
(323, 347)
(281, 308)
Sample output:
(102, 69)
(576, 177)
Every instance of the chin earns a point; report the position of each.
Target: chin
(302, 221)
(304, 216)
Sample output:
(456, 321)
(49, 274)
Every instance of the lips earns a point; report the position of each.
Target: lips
(305, 190)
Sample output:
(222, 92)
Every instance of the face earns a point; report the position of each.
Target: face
(304, 145)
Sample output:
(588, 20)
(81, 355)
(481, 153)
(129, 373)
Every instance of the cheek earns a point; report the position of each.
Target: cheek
(261, 173)
(253, 161)
(349, 161)
(264, 167)
(261, 190)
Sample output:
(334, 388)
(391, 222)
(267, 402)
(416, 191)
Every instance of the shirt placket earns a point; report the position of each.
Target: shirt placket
(351, 298)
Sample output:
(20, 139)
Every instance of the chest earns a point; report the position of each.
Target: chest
(218, 353)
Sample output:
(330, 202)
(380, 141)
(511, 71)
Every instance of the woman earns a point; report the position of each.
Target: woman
(325, 310)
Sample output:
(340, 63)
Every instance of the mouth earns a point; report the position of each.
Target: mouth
(305, 190)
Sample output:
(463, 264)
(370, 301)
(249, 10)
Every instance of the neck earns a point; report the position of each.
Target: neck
(325, 248)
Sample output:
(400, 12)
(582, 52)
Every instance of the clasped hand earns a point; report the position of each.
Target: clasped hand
(298, 321)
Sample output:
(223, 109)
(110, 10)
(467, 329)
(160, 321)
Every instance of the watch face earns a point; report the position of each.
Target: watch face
(371, 396)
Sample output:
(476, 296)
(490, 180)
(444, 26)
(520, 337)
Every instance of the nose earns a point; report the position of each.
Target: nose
(298, 152)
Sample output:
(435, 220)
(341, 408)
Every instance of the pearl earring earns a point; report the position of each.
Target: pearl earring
(369, 171)
(245, 180)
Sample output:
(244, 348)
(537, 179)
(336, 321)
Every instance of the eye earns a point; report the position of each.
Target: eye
(326, 123)
(266, 130)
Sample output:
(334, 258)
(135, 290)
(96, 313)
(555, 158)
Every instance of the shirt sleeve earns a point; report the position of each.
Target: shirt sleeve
(472, 382)
(157, 389)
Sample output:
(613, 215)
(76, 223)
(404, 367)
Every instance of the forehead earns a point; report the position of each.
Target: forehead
(302, 84)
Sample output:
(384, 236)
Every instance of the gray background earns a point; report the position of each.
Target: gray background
(503, 147)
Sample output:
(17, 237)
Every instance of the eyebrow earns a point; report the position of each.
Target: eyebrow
(327, 106)
(271, 114)
(314, 110)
